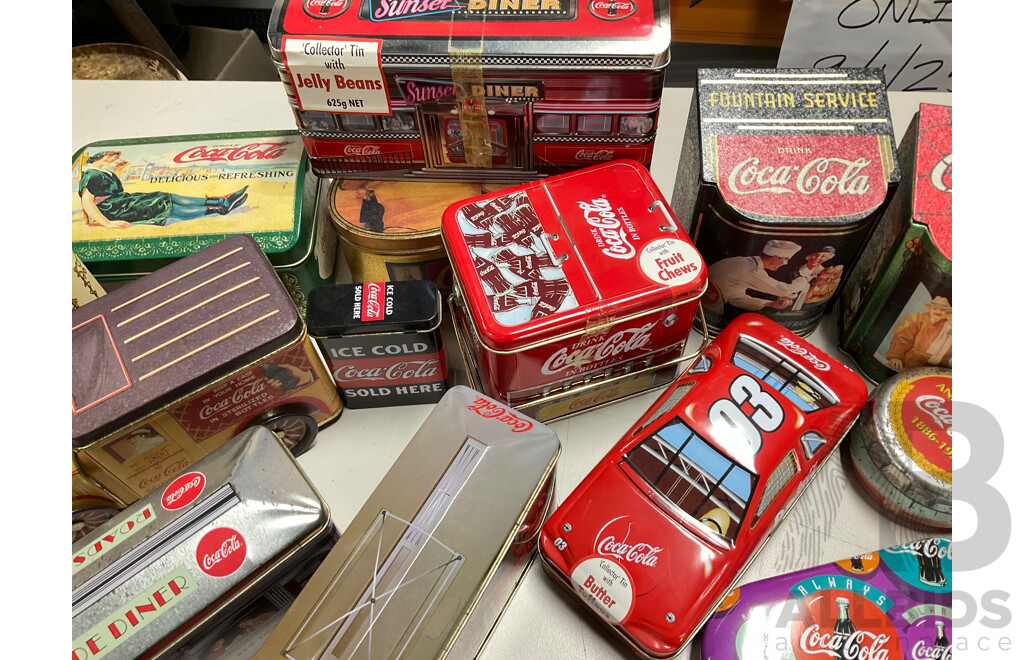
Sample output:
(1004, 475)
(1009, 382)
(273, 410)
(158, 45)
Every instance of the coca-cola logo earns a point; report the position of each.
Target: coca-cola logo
(612, 10)
(925, 651)
(930, 548)
(371, 301)
(856, 645)
(221, 552)
(325, 9)
(823, 176)
(183, 491)
(598, 213)
(942, 174)
(361, 150)
(797, 349)
(937, 407)
(642, 553)
(406, 370)
(253, 151)
(240, 395)
(486, 408)
(622, 342)
(599, 155)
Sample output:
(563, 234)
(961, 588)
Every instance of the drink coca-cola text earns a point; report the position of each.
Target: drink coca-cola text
(599, 214)
(823, 176)
(253, 151)
(622, 342)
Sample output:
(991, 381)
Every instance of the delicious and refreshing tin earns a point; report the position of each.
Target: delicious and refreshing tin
(428, 564)
(171, 366)
(450, 89)
(901, 448)
(581, 276)
(783, 174)
(238, 526)
(382, 341)
(896, 311)
(137, 205)
(889, 604)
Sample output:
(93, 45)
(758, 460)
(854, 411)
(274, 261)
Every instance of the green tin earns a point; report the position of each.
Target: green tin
(896, 311)
(139, 204)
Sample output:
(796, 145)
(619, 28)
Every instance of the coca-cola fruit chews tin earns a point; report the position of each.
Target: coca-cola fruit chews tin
(782, 176)
(452, 89)
(666, 523)
(381, 340)
(232, 532)
(901, 448)
(579, 277)
(429, 563)
(139, 204)
(896, 310)
(890, 604)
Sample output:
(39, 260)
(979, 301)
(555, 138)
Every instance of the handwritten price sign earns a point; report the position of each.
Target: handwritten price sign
(910, 39)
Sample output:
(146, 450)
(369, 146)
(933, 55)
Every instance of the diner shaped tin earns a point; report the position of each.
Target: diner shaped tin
(429, 563)
(451, 89)
(582, 276)
(169, 367)
(195, 555)
(783, 174)
(139, 204)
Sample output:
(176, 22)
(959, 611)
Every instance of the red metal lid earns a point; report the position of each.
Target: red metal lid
(562, 255)
(933, 189)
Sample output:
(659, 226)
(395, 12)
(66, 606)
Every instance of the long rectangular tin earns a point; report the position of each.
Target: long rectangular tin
(427, 565)
(182, 559)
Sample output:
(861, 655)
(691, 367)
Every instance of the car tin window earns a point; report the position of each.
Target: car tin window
(697, 477)
(780, 476)
(782, 375)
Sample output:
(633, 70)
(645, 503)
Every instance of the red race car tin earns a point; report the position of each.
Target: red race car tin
(452, 89)
(885, 605)
(560, 280)
(783, 173)
(660, 530)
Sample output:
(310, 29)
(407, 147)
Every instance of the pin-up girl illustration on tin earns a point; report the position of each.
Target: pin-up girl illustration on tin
(106, 204)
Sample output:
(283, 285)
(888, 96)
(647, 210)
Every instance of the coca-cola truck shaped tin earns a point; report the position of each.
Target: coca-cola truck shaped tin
(581, 276)
(782, 176)
(231, 533)
(658, 532)
(449, 89)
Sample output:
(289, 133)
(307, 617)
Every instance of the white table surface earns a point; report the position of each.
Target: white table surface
(833, 519)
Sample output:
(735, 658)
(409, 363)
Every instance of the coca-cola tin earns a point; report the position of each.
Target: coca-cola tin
(453, 90)
(230, 529)
(666, 523)
(428, 564)
(896, 310)
(884, 605)
(579, 276)
(137, 205)
(901, 448)
(783, 174)
(382, 341)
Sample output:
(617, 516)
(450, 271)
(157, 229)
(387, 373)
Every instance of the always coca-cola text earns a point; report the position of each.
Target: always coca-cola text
(253, 151)
(621, 343)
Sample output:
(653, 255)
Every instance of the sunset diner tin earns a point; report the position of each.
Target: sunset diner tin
(452, 89)
(139, 204)
(169, 367)
(559, 282)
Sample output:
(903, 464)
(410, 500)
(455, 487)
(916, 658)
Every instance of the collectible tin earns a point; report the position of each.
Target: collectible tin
(896, 310)
(187, 558)
(171, 366)
(654, 537)
(901, 448)
(561, 280)
(783, 174)
(137, 205)
(453, 90)
(430, 561)
(884, 605)
(84, 286)
(382, 341)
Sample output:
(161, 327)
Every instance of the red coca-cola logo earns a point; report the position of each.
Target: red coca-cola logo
(612, 10)
(620, 547)
(325, 9)
(486, 408)
(858, 645)
(221, 552)
(598, 213)
(620, 343)
(599, 155)
(372, 310)
(361, 150)
(253, 151)
(183, 491)
(838, 624)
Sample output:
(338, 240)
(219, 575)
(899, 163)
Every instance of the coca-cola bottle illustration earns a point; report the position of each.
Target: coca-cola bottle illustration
(929, 564)
(857, 563)
(844, 635)
(491, 275)
(941, 641)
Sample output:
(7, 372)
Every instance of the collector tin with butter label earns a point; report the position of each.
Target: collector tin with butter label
(581, 276)
(429, 563)
(896, 311)
(381, 340)
(783, 174)
(453, 90)
(171, 366)
(193, 558)
(884, 605)
(137, 205)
